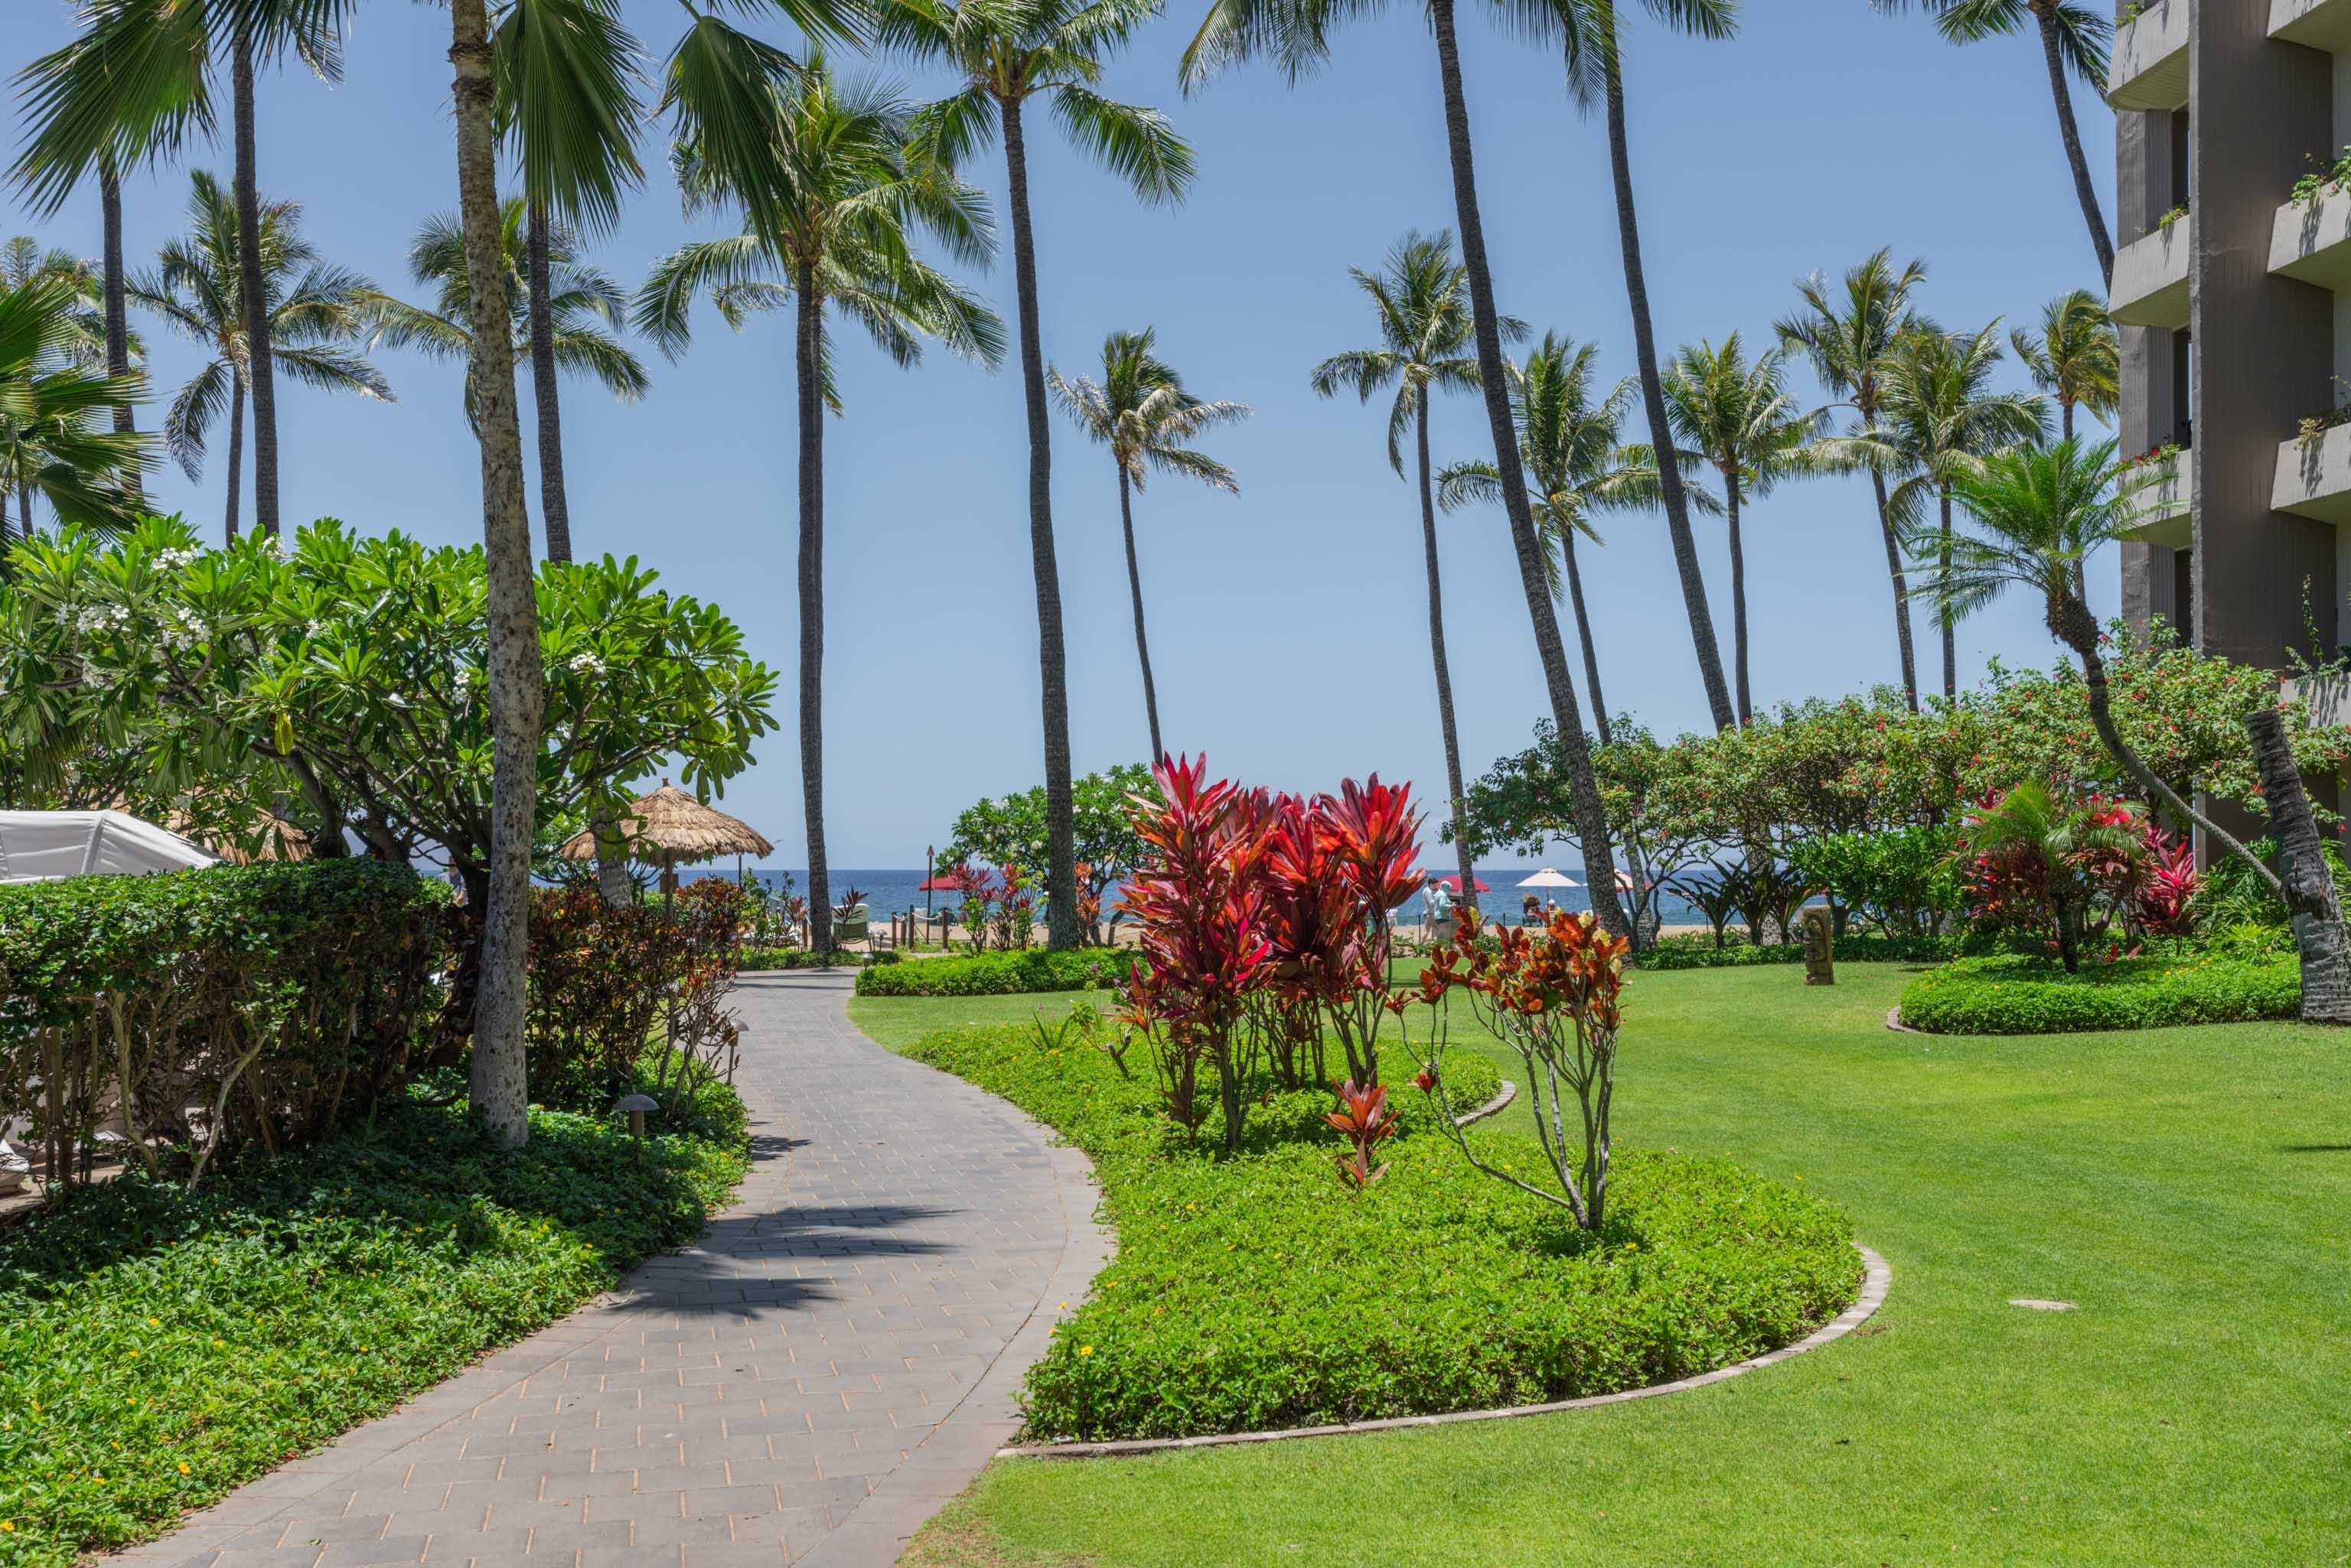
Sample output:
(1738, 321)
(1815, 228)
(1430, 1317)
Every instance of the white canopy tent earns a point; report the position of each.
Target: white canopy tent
(43, 846)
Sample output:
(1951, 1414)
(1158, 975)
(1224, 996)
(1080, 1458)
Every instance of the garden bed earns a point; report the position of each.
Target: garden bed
(2021, 994)
(1254, 1293)
(998, 974)
(1695, 950)
(160, 1347)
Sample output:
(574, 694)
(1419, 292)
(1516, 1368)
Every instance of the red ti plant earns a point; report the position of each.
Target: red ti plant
(1553, 993)
(1196, 897)
(1364, 1119)
(2163, 903)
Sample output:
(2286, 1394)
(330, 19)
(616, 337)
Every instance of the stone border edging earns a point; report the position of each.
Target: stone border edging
(1876, 1281)
(1893, 1021)
(1494, 1107)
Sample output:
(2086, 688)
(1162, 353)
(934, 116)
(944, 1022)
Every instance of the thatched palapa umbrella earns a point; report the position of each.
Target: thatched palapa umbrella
(670, 828)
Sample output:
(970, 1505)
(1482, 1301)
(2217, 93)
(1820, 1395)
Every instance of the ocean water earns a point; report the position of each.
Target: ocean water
(895, 891)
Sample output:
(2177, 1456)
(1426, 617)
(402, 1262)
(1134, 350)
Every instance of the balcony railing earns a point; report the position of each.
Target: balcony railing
(2159, 493)
(2314, 24)
(2148, 67)
(2150, 288)
(2313, 475)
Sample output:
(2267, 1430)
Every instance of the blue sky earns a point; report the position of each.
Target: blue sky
(1288, 625)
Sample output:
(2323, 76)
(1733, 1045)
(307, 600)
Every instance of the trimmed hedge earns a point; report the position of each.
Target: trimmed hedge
(1254, 1293)
(802, 958)
(160, 1347)
(1699, 952)
(2024, 994)
(998, 974)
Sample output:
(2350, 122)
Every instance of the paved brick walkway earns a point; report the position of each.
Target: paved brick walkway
(835, 1359)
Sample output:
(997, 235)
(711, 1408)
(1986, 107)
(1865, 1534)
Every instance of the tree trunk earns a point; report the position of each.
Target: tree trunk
(1061, 850)
(253, 296)
(235, 451)
(1894, 570)
(545, 400)
(1591, 820)
(1584, 632)
(118, 326)
(2308, 885)
(1458, 802)
(810, 350)
(1142, 643)
(499, 1086)
(1737, 601)
(1942, 611)
(24, 509)
(1652, 399)
(2083, 190)
(2072, 624)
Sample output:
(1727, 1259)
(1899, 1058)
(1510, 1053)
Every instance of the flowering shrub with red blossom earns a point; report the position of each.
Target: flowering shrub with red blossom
(2059, 871)
(1555, 993)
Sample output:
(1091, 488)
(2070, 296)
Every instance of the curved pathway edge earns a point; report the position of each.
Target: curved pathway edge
(1876, 1281)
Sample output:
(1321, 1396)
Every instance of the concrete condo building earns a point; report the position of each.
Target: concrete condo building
(2234, 304)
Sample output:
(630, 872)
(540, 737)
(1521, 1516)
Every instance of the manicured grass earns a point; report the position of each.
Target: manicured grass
(2186, 1188)
(159, 1348)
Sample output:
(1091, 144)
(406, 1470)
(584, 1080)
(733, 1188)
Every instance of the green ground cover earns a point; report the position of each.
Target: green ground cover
(2014, 993)
(2186, 1188)
(159, 1348)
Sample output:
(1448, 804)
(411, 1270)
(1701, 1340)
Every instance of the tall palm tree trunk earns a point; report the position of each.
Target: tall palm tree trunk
(2068, 132)
(1894, 570)
(235, 453)
(1458, 799)
(1942, 612)
(118, 325)
(252, 297)
(1584, 632)
(1652, 399)
(24, 509)
(1061, 849)
(1737, 601)
(2065, 433)
(1591, 820)
(2308, 886)
(545, 400)
(810, 352)
(1135, 587)
(499, 1087)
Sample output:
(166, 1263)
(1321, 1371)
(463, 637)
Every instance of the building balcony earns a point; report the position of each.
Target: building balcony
(2314, 476)
(2313, 243)
(2148, 67)
(2150, 288)
(2159, 495)
(2314, 24)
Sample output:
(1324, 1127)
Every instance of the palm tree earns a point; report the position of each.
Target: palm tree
(1941, 415)
(1005, 53)
(313, 314)
(586, 306)
(130, 90)
(838, 230)
(1577, 468)
(2075, 357)
(2074, 37)
(1141, 411)
(2028, 824)
(568, 101)
(1846, 337)
(1297, 34)
(1589, 34)
(2034, 513)
(1421, 299)
(50, 399)
(1741, 418)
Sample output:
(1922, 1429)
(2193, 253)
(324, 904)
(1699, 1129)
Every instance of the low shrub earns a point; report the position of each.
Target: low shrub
(158, 1346)
(1256, 1292)
(284, 999)
(604, 976)
(1699, 952)
(799, 958)
(998, 974)
(2014, 993)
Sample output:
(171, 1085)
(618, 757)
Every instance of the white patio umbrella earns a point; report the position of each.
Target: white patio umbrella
(1547, 877)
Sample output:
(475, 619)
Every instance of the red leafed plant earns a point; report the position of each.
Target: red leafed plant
(1553, 992)
(1364, 1119)
(1196, 899)
(2164, 904)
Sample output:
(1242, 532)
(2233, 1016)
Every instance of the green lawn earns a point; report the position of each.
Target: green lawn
(2189, 1188)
